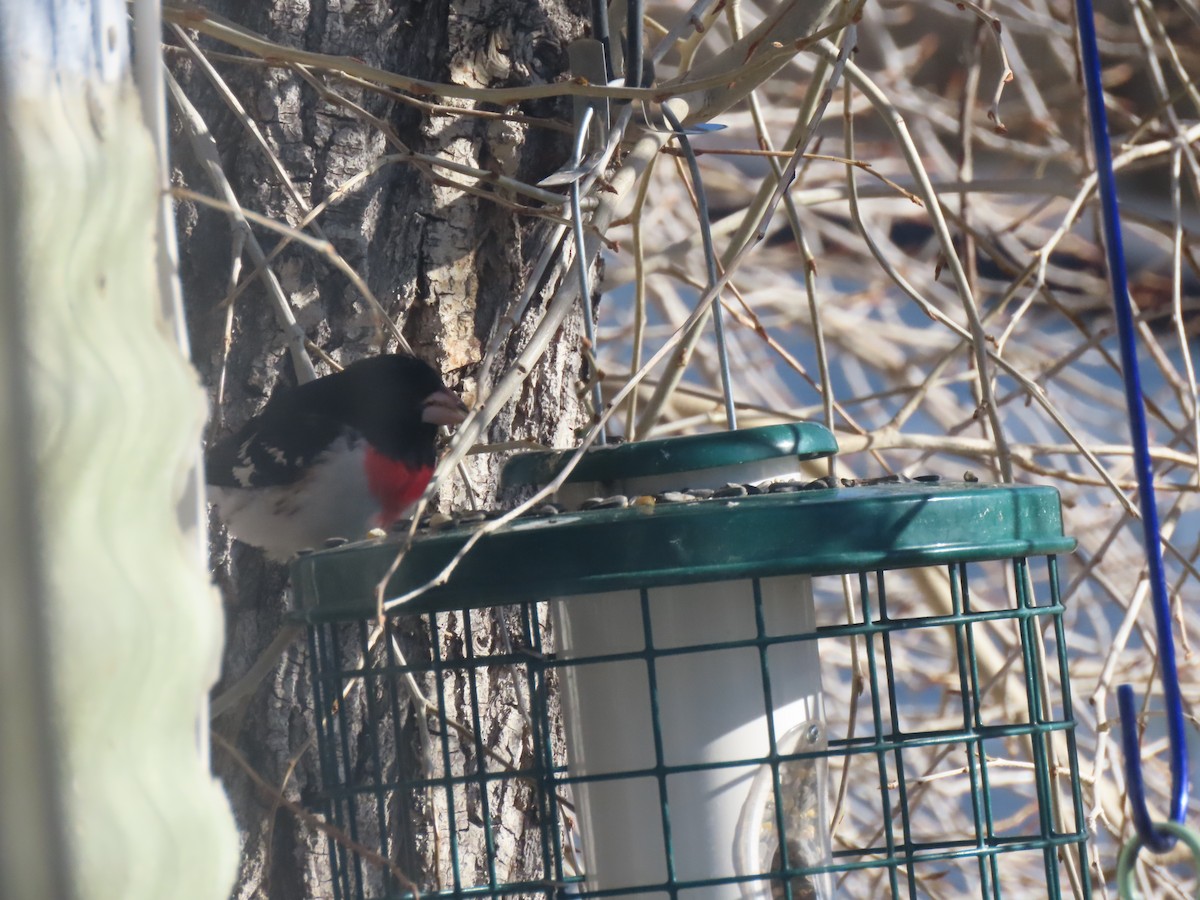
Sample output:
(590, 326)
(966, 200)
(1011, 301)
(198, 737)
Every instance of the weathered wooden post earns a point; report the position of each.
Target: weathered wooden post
(105, 593)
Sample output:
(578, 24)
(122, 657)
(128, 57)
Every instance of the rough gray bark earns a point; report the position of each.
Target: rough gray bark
(443, 263)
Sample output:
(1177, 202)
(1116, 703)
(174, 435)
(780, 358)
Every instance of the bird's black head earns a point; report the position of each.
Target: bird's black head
(396, 402)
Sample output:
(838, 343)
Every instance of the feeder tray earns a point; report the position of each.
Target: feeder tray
(684, 640)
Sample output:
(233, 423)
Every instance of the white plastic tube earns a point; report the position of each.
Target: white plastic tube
(711, 709)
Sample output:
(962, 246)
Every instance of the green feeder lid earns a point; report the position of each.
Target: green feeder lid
(818, 532)
(670, 456)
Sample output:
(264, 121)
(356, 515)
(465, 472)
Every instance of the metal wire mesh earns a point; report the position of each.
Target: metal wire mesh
(936, 786)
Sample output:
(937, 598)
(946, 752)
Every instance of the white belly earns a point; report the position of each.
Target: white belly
(333, 500)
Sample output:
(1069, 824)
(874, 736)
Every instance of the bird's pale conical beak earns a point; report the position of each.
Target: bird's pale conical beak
(443, 408)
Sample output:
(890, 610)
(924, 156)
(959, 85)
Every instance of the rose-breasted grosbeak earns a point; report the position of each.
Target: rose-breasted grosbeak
(334, 457)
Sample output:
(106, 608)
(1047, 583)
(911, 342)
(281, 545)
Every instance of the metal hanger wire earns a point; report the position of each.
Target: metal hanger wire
(1156, 837)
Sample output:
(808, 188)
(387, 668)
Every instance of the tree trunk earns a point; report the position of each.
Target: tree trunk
(443, 263)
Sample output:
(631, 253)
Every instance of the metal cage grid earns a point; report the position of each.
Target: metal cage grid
(1016, 800)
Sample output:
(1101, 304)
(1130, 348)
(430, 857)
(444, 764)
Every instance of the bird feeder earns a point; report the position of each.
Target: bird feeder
(678, 639)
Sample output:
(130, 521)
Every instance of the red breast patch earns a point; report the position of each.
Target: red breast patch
(394, 484)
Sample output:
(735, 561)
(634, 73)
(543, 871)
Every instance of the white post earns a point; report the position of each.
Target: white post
(107, 413)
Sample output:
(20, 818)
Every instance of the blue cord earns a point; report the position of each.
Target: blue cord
(1158, 841)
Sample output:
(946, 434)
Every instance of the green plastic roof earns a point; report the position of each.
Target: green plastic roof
(802, 440)
(830, 531)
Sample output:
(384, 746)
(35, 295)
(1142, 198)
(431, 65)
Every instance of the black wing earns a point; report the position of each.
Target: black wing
(272, 449)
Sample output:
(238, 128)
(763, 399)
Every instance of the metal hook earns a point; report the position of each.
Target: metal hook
(600, 33)
(582, 263)
(710, 259)
(1129, 853)
(590, 59)
(1162, 836)
(633, 48)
